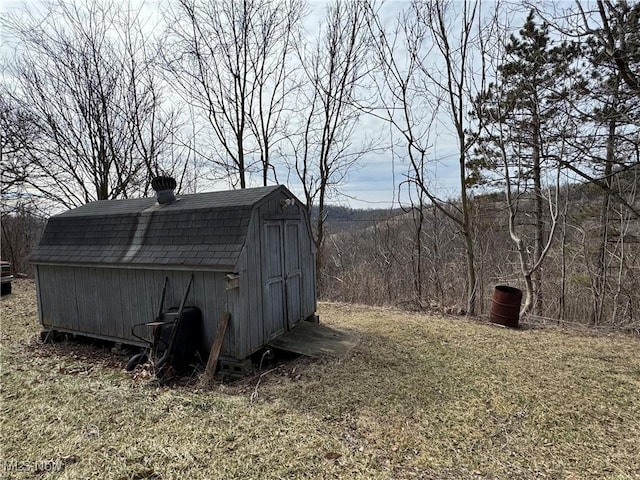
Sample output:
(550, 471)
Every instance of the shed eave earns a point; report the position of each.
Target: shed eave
(141, 266)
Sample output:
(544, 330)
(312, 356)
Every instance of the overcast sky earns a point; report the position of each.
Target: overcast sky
(374, 182)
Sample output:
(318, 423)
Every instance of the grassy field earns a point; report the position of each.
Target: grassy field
(418, 397)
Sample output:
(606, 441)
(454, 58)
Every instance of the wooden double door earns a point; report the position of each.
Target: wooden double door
(282, 276)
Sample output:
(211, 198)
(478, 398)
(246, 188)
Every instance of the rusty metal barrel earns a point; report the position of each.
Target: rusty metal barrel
(505, 309)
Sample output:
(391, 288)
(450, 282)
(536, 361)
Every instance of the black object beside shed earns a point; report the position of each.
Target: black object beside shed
(100, 268)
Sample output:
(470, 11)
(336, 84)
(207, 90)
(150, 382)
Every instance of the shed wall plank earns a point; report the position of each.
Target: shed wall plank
(85, 290)
(254, 308)
(130, 310)
(209, 289)
(57, 295)
(200, 294)
(232, 337)
(108, 301)
(238, 300)
(216, 284)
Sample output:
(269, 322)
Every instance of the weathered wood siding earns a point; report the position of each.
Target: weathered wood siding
(107, 302)
(287, 264)
(275, 289)
(248, 321)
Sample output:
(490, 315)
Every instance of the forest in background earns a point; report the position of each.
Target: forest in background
(375, 262)
(544, 116)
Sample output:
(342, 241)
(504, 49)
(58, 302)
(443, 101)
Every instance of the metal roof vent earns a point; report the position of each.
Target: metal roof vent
(164, 187)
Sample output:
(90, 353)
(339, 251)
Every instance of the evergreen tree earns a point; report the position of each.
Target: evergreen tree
(526, 125)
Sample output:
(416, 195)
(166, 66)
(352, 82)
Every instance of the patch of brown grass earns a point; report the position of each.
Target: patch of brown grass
(419, 397)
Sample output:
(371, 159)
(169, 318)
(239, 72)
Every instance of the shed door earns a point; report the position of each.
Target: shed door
(283, 276)
(293, 272)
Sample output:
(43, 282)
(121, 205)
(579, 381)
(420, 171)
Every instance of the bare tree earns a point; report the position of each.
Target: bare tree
(433, 33)
(456, 41)
(155, 123)
(18, 133)
(327, 147)
(231, 62)
(274, 79)
(408, 109)
(22, 216)
(83, 78)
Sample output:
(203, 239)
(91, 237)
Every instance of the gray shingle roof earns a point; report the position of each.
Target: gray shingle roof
(207, 229)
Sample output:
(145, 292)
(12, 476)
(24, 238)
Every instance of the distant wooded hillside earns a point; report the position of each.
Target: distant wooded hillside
(344, 219)
(414, 259)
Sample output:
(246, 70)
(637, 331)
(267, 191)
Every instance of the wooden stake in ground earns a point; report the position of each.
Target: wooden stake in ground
(210, 370)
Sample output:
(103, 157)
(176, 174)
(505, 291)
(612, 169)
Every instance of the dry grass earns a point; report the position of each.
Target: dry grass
(419, 397)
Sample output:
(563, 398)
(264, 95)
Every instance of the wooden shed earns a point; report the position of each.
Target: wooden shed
(100, 268)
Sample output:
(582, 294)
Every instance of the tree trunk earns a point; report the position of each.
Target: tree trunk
(320, 231)
(538, 243)
(471, 286)
(417, 254)
(601, 269)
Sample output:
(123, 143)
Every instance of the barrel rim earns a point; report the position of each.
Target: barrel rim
(508, 289)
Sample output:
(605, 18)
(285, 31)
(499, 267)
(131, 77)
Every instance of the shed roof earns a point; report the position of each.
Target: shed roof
(205, 229)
